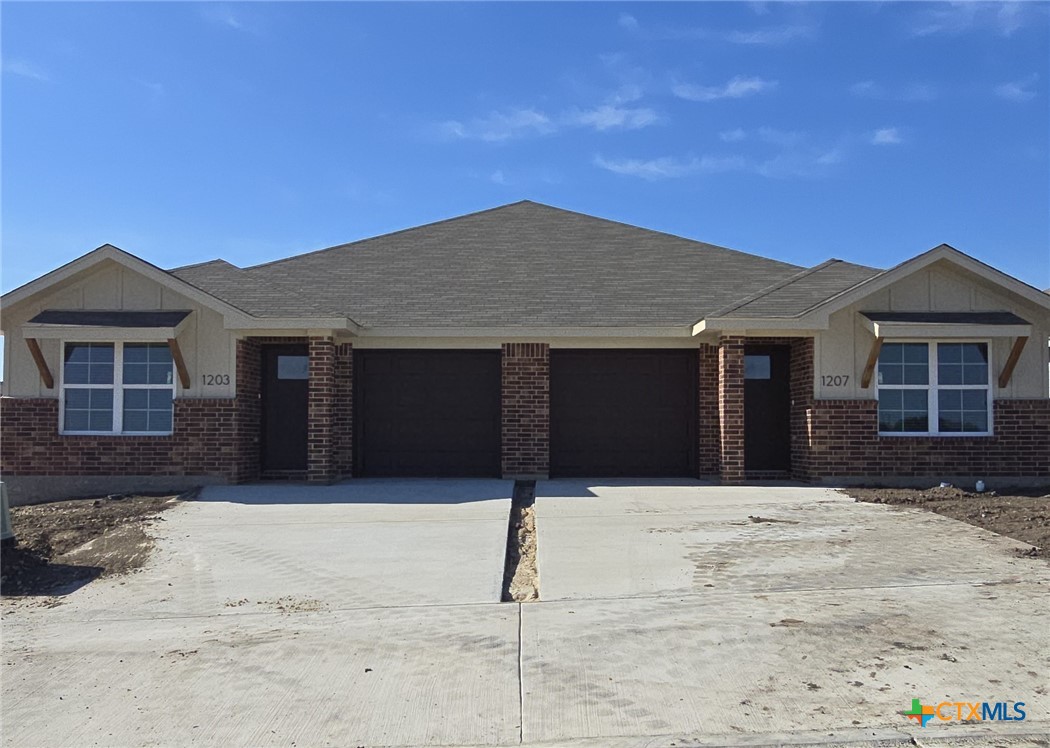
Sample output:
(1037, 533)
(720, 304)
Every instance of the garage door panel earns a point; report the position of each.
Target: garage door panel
(623, 413)
(427, 413)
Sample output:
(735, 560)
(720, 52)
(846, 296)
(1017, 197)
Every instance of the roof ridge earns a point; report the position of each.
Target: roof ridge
(657, 231)
(201, 264)
(774, 287)
(510, 205)
(389, 233)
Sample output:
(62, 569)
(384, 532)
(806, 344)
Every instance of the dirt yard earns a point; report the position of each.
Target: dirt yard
(1022, 514)
(64, 544)
(521, 582)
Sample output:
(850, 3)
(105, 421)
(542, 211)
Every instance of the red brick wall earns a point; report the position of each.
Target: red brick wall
(320, 451)
(707, 400)
(249, 410)
(731, 407)
(526, 408)
(343, 417)
(205, 442)
(844, 441)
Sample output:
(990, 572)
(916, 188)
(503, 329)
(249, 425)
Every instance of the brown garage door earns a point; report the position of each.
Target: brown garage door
(427, 413)
(623, 413)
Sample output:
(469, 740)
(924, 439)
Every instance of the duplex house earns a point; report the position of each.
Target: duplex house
(525, 340)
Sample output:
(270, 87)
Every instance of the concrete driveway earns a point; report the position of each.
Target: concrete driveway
(728, 612)
(672, 613)
(362, 613)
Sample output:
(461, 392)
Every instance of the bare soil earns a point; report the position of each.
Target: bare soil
(62, 545)
(1019, 513)
(521, 581)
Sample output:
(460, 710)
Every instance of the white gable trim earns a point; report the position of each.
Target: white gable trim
(820, 312)
(127, 260)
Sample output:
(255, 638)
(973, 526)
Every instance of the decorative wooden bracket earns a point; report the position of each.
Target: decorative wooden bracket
(180, 363)
(1011, 361)
(873, 360)
(41, 363)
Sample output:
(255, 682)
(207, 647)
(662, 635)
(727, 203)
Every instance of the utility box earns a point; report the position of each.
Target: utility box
(7, 536)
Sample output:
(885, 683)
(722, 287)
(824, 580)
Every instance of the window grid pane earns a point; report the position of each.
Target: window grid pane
(88, 363)
(903, 411)
(962, 411)
(88, 409)
(148, 409)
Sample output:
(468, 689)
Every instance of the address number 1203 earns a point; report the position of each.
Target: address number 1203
(215, 379)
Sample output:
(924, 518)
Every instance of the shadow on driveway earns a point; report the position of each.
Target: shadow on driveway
(403, 491)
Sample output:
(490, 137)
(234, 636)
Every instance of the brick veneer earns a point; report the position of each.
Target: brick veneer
(343, 416)
(844, 441)
(249, 410)
(731, 407)
(205, 442)
(709, 461)
(525, 409)
(320, 447)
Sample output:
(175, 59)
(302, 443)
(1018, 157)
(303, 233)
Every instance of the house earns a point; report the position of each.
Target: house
(524, 340)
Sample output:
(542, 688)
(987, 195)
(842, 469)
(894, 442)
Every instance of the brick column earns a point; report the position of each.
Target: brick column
(248, 418)
(731, 407)
(343, 423)
(526, 409)
(320, 451)
(707, 399)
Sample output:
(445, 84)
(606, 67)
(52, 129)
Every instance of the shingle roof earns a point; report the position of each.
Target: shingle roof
(795, 295)
(258, 296)
(523, 264)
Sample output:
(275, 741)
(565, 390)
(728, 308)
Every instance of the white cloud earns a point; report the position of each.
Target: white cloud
(500, 126)
(221, 15)
(762, 35)
(736, 88)
(909, 92)
(806, 164)
(626, 93)
(1003, 18)
(886, 136)
(611, 117)
(783, 138)
(668, 167)
(497, 177)
(769, 36)
(25, 70)
(627, 21)
(1018, 90)
(793, 161)
(732, 136)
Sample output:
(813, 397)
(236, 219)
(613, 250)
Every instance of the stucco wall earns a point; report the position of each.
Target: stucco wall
(843, 349)
(207, 348)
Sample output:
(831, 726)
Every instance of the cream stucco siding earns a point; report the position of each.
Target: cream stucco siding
(207, 347)
(842, 350)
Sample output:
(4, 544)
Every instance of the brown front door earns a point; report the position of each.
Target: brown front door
(285, 384)
(767, 408)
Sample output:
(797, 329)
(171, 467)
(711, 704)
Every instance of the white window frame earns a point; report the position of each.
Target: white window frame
(933, 386)
(117, 386)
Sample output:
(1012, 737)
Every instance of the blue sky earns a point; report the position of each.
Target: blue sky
(865, 131)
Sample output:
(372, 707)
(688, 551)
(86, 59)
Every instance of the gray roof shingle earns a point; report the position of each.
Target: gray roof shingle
(797, 294)
(522, 265)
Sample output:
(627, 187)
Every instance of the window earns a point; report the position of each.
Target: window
(934, 388)
(757, 367)
(117, 388)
